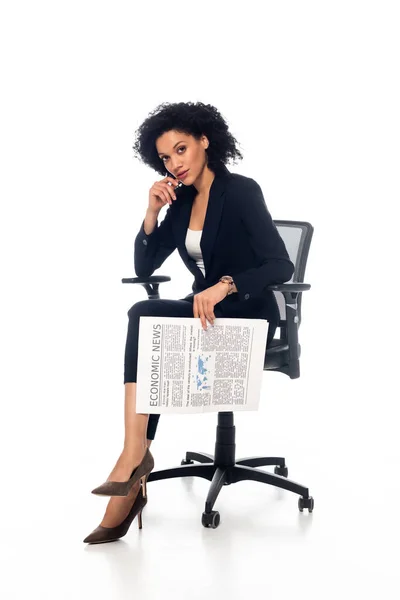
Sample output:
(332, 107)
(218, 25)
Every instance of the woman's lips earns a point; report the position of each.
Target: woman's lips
(182, 177)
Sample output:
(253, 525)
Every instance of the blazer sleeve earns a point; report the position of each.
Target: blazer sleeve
(150, 251)
(273, 264)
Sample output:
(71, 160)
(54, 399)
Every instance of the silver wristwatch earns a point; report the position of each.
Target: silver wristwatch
(228, 279)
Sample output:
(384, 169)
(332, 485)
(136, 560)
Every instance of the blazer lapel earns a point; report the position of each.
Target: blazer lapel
(211, 221)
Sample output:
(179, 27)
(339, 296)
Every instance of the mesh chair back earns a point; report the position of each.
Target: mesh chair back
(297, 237)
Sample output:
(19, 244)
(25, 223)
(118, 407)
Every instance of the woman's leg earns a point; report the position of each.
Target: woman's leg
(135, 444)
(118, 507)
(139, 428)
(259, 308)
(148, 308)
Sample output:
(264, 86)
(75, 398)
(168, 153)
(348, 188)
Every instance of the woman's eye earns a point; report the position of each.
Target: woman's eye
(180, 148)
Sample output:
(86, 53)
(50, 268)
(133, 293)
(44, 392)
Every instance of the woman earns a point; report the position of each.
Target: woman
(225, 235)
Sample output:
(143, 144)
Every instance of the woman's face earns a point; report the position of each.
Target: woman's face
(182, 152)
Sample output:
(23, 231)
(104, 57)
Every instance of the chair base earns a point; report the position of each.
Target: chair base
(223, 469)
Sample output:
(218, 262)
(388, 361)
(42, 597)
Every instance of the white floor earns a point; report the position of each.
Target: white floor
(263, 547)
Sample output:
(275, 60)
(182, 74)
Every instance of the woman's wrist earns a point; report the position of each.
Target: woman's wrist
(229, 287)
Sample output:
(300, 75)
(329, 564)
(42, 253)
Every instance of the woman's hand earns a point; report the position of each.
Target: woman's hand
(204, 302)
(162, 192)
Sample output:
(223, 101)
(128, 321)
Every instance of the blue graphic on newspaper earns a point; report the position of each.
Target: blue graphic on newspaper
(203, 375)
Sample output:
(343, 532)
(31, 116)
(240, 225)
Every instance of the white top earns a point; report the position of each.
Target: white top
(192, 243)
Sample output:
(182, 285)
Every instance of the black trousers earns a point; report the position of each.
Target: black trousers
(175, 308)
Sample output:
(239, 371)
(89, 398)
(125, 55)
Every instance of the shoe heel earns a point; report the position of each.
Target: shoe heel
(140, 522)
(144, 485)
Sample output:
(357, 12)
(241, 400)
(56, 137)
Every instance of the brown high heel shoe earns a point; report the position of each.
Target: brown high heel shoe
(122, 488)
(110, 534)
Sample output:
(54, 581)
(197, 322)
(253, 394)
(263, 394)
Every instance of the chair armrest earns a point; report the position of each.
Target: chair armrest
(289, 287)
(150, 284)
(290, 292)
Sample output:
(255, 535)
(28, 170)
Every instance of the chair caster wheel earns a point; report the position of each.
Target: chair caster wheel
(211, 519)
(282, 471)
(187, 462)
(306, 503)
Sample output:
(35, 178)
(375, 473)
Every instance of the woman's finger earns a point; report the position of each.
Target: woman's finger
(195, 309)
(198, 311)
(210, 312)
(163, 190)
(202, 314)
(170, 189)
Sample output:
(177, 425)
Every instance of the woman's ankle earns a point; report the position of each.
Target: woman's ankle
(134, 448)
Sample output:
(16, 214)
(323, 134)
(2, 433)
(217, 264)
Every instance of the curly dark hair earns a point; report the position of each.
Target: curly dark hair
(192, 118)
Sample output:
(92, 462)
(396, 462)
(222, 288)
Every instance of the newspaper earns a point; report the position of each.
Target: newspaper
(183, 368)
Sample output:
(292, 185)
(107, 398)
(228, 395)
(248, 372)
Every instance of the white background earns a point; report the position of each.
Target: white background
(311, 91)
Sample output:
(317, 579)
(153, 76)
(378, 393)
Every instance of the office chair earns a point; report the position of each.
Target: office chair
(282, 356)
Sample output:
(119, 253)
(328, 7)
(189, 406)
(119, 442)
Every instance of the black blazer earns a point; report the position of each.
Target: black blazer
(239, 239)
